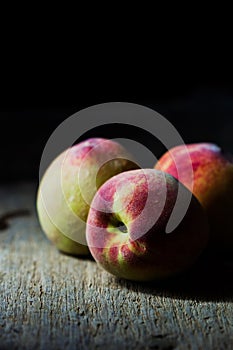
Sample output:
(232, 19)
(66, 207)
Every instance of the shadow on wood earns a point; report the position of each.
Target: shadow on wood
(209, 280)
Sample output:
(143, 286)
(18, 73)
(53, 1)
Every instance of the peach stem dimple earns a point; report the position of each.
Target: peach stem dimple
(117, 226)
(121, 226)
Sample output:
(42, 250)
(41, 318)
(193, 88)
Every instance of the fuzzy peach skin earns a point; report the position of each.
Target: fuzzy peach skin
(212, 185)
(127, 221)
(68, 186)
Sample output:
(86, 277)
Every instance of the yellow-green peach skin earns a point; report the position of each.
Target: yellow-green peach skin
(126, 227)
(68, 186)
(212, 185)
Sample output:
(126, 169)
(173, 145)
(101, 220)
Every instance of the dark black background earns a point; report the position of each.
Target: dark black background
(198, 101)
(177, 61)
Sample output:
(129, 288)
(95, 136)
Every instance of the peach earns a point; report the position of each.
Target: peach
(212, 185)
(126, 226)
(68, 186)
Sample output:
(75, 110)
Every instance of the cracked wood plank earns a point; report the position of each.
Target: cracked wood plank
(53, 301)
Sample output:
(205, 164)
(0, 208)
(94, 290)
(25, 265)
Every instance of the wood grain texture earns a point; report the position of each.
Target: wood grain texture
(53, 301)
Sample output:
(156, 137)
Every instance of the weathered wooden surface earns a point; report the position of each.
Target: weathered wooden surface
(53, 301)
